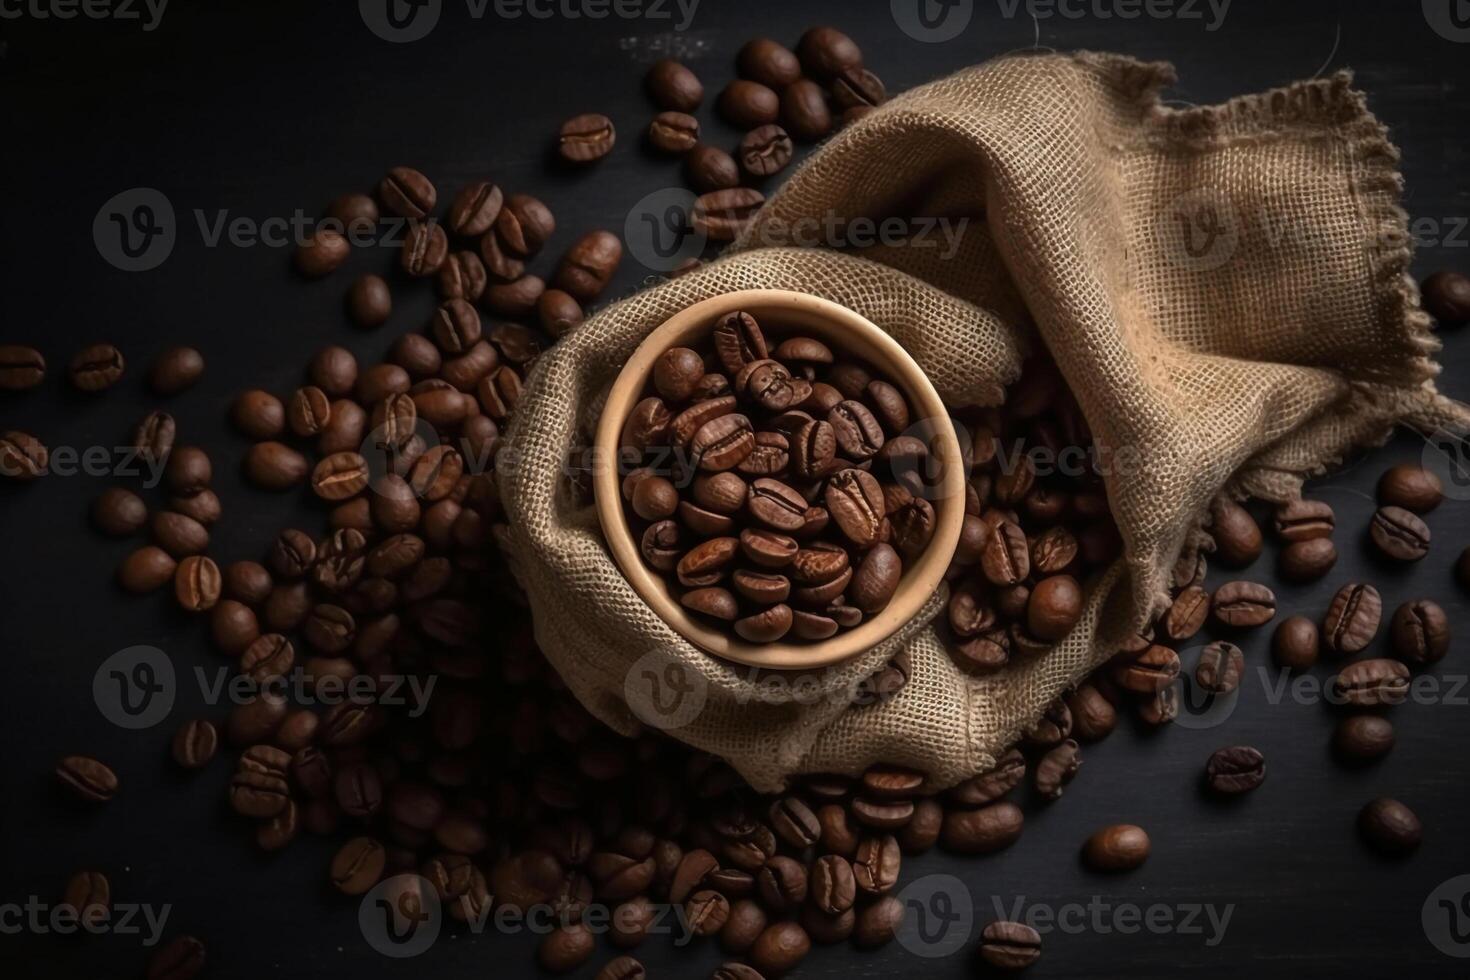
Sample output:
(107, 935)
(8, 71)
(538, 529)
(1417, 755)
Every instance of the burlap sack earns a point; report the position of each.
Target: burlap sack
(1224, 288)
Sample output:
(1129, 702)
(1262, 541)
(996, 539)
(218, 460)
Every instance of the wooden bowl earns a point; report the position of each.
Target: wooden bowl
(845, 331)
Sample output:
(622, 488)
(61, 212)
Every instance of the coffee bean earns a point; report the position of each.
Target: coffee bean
(1352, 619)
(622, 968)
(1006, 558)
(1235, 770)
(195, 743)
(475, 209)
(559, 312)
(1294, 645)
(589, 265)
(1399, 534)
(780, 948)
(1010, 946)
(1307, 561)
(1187, 614)
(197, 583)
(425, 247)
(1446, 297)
(749, 104)
(586, 138)
(1149, 671)
(524, 225)
(176, 369)
(1117, 848)
(1237, 537)
(1361, 739)
(766, 626)
(1057, 768)
(1372, 683)
(1420, 632)
(21, 368)
(674, 132)
(1410, 487)
(88, 897)
(723, 214)
(709, 168)
(1093, 715)
(182, 958)
(1052, 728)
(1220, 667)
(878, 922)
(274, 466)
(1243, 604)
(674, 86)
(308, 411)
(858, 88)
(499, 262)
(738, 341)
(982, 831)
(145, 570)
(96, 367)
(803, 110)
(188, 470)
(1303, 520)
(407, 193)
(859, 434)
(258, 414)
(826, 52)
(87, 779)
(233, 626)
(768, 62)
(1054, 607)
(23, 457)
(355, 212)
(765, 150)
(1390, 827)
(322, 253)
(119, 512)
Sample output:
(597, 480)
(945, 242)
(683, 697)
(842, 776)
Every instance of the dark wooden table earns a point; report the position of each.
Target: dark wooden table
(257, 110)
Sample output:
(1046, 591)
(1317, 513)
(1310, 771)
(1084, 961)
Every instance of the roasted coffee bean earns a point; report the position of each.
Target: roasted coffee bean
(1294, 645)
(1054, 725)
(1410, 487)
(308, 411)
(274, 466)
(803, 109)
(826, 52)
(858, 87)
(258, 414)
(1390, 827)
(145, 570)
(119, 512)
(407, 193)
(1235, 770)
(1120, 847)
(858, 433)
(23, 457)
(768, 62)
(1149, 671)
(188, 470)
(202, 506)
(990, 828)
(722, 214)
(566, 947)
(876, 579)
(1009, 946)
(876, 865)
(709, 168)
(674, 86)
(855, 501)
(501, 264)
(1237, 536)
(177, 534)
(766, 626)
(21, 368)
(1399, 534)
(456, 327)
(1352, 619)
(1363, 738)
(175, 369)
(622, 968)
(738, 341)
(181, 958)
(1006, 559)
(1057, 768)
(1220, 667)
(586, 138)
(765, 151)
(1446, 297)
(197, 583)
(96, 367)
(1093, 716)
(1307, 561)
(87, 779)
(559, 312)
(88, 897)
(525, 223)
(475, 209)
(749, 104)
(1187, 614)
(781, 883)
(1420, 632)
(1372, 683)
(425, 248)
(233, 626)
(462, 276)
(154, 437)
(776, 951)
(1243, 604)
(1303, 520)
(674, 132)
(1054, 607)
(588, 266)
(877, 923)
(322, 253)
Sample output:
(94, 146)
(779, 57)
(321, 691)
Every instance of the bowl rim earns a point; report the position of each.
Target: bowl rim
(872, 344)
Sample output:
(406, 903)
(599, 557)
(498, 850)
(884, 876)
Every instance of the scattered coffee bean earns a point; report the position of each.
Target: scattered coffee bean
(710, 168)
(768, 62)
(1243, 605)
(21, 368)
(1307, 561)
(586, 138)
(1399, 534)
(146, 569)
(826, 52)
(1010, 946)
(1352, 619)
(87, 779)
(176, 369)
(407, 193)
(589, 265)
(804, 111)
(1294, 645)
(1237, 536)
(370, 301)
(722, 214)
(1120, 847)
(182, 958)
(1447, 298)
(748, 104)
(1410, 487)
(1361, 739)
(674, 86)
(96, 367)
(259, 414)
(1220, 667)
(1371, 683)
(1235, 770)
(195, 743)
(1420, 632)
(674, 132)
(322, 253)
(1390, 827)
(764, 151)
(119, 512)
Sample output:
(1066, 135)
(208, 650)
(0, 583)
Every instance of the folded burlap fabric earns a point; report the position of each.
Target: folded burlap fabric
(1224, 288)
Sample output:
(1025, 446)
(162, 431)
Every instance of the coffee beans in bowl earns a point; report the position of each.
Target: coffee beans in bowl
(768, 506)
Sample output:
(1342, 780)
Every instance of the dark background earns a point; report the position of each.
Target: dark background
(263, 108)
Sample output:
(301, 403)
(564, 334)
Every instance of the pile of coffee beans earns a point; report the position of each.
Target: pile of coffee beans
(769, 477)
